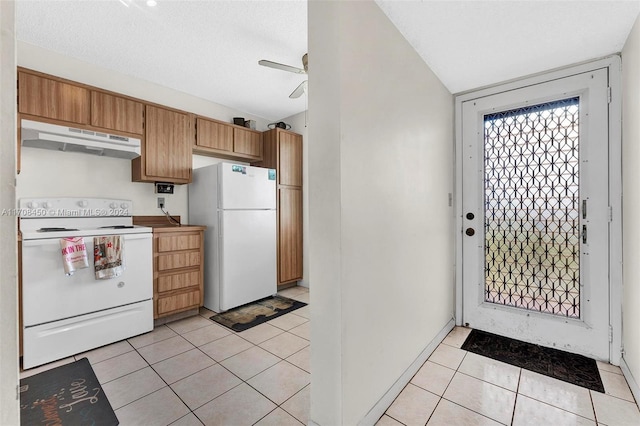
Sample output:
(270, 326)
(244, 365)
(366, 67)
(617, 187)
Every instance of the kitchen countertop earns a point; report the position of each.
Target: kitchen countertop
(174, 228)
(162, 224)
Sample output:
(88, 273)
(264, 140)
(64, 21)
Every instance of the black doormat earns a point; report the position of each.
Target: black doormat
(69, 395)
(576, 369)
(252, 314)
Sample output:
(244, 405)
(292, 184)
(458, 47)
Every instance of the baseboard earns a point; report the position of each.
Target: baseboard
(387, 399)
(633, 385)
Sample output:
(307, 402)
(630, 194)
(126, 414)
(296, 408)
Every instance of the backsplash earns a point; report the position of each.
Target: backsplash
(46, 173)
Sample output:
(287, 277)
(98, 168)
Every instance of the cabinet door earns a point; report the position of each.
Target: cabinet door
(116, 113)
(247, 142)
(167, 144)
(53, 99)
(289, 234)
(212, 134)
(289, 159)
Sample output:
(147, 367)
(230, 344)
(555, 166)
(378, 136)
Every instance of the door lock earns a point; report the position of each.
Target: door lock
(470, 232)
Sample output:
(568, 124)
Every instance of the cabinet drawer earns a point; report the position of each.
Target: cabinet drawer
(178, 302)
(178, 281)
(178, 260)
(178, 242)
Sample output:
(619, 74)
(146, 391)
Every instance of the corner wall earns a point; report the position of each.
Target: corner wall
(631, 201)
(381, 230)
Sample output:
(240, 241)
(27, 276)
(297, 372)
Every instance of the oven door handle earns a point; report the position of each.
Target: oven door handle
(56, 241)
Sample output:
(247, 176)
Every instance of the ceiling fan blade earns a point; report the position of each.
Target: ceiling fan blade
(299, 90)
(282, 67)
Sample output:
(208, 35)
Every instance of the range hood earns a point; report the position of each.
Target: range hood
(69, 139)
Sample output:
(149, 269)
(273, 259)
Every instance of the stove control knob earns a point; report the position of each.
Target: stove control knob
(32, 204)
(125, 206)
(113, 205)
(83, 203)
(46, 205)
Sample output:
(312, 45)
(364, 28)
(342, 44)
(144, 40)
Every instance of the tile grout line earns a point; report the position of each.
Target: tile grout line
(593, 407)
(515, 401)
(434, 410)
(285, 410)
(467, 408)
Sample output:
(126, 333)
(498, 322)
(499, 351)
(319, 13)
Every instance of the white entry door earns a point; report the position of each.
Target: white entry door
(535, 213)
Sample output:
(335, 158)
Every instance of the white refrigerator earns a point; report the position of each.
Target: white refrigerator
(237, 203)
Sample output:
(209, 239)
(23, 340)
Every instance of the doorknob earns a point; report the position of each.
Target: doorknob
(470, 232)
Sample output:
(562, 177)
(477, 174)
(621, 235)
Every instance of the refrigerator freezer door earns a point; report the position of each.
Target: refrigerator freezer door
(248, 256)
(246, 187)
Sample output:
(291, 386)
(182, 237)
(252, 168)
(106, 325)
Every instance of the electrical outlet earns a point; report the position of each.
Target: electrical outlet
(160, 202)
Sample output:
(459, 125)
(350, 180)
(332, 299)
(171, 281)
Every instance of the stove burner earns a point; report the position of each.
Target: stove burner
(55, 229)
(117, 227)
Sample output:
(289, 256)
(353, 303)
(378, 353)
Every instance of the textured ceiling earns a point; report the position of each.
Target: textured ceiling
(206, 48)
(211, 48)
(470, 44)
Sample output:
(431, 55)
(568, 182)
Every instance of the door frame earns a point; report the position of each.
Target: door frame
(613, 64)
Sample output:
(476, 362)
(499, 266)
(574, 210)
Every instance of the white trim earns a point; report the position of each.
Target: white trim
(613, 64)
(387, 399)
(457, 208)
(633, 385)
(615, 201)
(539, 78)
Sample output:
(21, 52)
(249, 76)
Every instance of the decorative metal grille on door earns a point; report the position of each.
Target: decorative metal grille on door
(532, 230)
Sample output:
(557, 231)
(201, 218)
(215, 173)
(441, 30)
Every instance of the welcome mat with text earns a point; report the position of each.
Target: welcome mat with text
(572, 368)
(252, 314)
(69, 395)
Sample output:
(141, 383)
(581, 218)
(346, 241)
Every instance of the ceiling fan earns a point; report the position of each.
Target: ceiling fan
(303, 86)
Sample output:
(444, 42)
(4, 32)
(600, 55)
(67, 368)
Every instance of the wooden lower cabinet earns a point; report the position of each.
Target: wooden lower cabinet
(289, 234)
(177, 269)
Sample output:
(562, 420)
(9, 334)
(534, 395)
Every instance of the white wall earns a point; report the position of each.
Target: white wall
(9, 405)
(298, 124)
(631, 199)
(46, 173)
(381, 229)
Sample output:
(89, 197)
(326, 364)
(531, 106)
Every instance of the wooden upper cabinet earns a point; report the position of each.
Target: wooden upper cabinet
(289, 159)
(212, 134)
(167, 147)
(116, 113)
(44, 97)
(228, 141)
(247, 142)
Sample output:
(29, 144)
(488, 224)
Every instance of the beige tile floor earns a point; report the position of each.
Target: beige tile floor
(455, 387)
(195, 372)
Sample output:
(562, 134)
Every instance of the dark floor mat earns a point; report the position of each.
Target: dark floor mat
(69, 395)
(252, 314)
(576, 369)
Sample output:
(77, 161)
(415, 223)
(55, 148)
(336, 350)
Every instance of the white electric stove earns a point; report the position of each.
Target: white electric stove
(66, 315)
